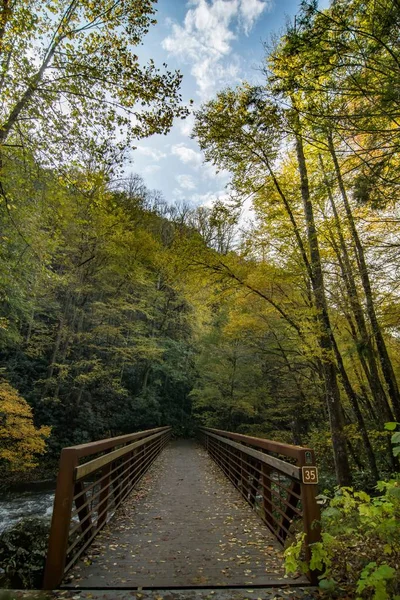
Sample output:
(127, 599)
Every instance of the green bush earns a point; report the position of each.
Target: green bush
(359, 551)
(23, 550)
(360, 546)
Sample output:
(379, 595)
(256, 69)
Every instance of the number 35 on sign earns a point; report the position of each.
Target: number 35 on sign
(310, 474)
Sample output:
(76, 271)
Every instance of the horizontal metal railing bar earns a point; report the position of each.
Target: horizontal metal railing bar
(260, 484)
(110, 494)
(277, 463)
(146, 468)
(142, 470)
(248, 483)
(281, 540)
(267, 489)
(101, 461)
(89, 487)
(269, 445)
(262, 474)
(255, 469)
(240, 467)
(280, 511)
(104, 511)
(244, 458)
(90, 448)
(281, 500)
(83, 548)
(77, 510)
(138, 475)
(246, 461)
(278, 523)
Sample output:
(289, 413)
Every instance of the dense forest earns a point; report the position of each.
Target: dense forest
(121, 311)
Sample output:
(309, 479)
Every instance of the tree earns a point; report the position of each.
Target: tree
(340, 63)
(242, 130)
(20, 440)
(70, 79)
(96, 333)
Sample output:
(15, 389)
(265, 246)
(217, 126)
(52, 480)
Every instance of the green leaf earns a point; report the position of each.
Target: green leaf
(394, 491)
(385, 572)
(390, 426)
(327, 584)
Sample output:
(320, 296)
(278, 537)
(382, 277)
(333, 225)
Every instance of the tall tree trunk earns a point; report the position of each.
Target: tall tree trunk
(363, 341)
(386, 364)
(352, 396)
(332, 392)
(146, 378)
(56, 348)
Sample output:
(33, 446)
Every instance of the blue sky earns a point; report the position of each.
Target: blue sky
(214, 43)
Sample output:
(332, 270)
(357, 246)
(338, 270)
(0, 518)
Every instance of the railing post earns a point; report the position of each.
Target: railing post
(291, 502)
(234, 471)
(267, 492)
(245, 475)
(311, 511)
(60, 522)
(132, 467)
(104, 493)
(83, 509)
(254, 482)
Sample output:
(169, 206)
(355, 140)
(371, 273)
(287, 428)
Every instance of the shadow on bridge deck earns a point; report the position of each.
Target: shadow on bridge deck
(185, 526)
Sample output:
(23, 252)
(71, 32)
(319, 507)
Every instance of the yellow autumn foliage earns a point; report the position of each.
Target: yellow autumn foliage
(20, 440)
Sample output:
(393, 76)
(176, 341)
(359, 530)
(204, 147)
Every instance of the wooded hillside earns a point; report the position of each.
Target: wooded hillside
(121, 312)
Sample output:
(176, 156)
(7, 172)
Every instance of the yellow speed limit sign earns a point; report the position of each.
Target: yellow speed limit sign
(310, 474)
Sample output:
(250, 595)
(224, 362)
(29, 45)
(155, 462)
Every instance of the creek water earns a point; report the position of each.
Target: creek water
(28, 500)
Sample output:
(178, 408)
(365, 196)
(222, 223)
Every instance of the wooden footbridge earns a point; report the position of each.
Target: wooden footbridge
(183, 525)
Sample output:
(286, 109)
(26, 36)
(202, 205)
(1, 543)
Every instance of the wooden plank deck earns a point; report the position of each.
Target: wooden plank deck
(185, 526)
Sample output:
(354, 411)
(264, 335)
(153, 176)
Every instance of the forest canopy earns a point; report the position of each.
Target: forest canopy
(121, 311)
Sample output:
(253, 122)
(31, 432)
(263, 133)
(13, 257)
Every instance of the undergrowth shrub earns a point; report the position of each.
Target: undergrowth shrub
(359, 551)
(23, 550)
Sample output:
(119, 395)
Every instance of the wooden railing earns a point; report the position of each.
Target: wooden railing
(88, 493)
(277, 480)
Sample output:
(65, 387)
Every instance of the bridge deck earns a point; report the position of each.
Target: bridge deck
(185, 526)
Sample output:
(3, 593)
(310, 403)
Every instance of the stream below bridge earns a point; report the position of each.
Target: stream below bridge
(26, 500)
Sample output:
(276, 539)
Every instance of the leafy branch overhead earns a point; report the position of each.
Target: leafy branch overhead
(71, 80)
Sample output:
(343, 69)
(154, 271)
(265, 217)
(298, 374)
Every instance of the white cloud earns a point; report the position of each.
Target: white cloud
(209, 198)
(191, 158)
(151, 169)
(186, 126)
(205, 38)
(151, 152)
(250, 11)
(211, 75)
(186, 182)
(187, 155)
(210, 172)
(205, 28)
